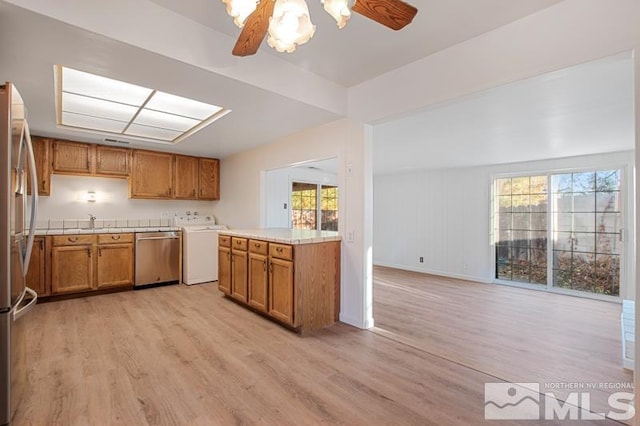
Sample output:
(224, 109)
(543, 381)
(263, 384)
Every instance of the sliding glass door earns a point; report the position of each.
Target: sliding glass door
(569, 237)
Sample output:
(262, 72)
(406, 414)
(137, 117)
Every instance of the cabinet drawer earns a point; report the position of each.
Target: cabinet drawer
(239, 243)
(224, 241)
(73, 240)
(257, 246)
(281, 251)
(115, 238)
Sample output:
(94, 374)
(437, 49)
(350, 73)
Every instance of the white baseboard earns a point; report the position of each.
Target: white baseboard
(435, 272)
(358, 323)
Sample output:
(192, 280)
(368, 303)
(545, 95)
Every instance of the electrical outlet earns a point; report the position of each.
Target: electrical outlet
(350, 236)
(421, 259)
(285, 206)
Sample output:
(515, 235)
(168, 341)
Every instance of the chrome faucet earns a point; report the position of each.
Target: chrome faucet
(92, 221)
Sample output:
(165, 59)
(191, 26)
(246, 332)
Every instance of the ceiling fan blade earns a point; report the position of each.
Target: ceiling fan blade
(394, 14)
(254, 30)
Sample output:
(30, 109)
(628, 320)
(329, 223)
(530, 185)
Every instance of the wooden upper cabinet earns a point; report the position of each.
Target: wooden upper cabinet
(186, 177)
(112, 161)
(72, 157)
(42, 154)
(209, 179)
(151, 175)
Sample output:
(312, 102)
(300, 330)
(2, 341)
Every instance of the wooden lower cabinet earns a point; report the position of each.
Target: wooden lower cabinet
(298, 285)
(37, 272)
(224, 269)
(258, 280)
(281, 290)
(71, 268)
(115, 261)
(82, 263)
(239, 275)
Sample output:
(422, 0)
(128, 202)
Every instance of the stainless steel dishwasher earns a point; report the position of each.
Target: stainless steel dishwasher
(157, 258)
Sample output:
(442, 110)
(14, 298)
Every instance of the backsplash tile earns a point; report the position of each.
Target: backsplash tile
(70, 223)
(133, 223)
(109, 223)
(121, 223)
(55, 224)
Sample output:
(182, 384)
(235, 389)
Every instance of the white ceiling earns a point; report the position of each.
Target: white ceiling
(364, 49)
(585, 109)
(184, 48)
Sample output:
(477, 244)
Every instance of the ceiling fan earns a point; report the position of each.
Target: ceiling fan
(288, 23)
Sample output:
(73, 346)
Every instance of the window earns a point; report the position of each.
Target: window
(522, 231)
(575, 228)
(329, 206)
(586, 240)
(304, 201)
(310, 201)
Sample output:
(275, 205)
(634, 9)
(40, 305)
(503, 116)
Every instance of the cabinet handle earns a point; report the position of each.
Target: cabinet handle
(72, 239)
(279, 249)
(41, 244)
(264, 264)
(271, 267)
(99, 251)
(256, 245)
(115, 237)
(89, 251)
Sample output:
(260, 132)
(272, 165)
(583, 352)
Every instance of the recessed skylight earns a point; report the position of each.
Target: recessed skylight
(91, 102)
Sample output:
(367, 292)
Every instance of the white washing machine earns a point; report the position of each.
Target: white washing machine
(199, 248)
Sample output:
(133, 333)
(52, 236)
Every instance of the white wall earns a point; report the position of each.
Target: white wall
(428, 214)
(243, 198)
(278, 191)
(568, 33)
(65, 201)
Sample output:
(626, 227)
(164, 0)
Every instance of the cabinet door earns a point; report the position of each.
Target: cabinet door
(112, 161)
(151, 175)
(71, 269)
(72, 158)
(186, 178)
(209, 179)
(224, 270)
(36, 274)
(115, 265)
(258, 277)
(239, 275)
(281, 290)
(41, 152)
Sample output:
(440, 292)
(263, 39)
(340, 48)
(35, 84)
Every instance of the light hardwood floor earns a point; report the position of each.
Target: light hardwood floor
(181, 355)
(512, 334)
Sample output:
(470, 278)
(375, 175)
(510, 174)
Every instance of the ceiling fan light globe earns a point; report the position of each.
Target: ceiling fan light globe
(240, 10)
(290, 25)
(339, 10)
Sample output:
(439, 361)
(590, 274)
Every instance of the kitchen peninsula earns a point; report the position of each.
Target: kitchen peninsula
(289, 275)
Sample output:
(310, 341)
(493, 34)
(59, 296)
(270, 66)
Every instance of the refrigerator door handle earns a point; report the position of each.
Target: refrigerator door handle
(34, 199)
(19, 313)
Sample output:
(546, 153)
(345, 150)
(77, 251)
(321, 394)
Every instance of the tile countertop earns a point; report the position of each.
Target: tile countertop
(284, 235)
(104, 230)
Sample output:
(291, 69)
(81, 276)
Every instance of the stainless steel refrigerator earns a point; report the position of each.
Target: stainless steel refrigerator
(16, 242)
